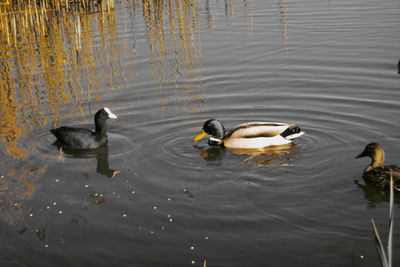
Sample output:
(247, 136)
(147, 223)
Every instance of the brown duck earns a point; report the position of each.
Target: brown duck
(376, 173)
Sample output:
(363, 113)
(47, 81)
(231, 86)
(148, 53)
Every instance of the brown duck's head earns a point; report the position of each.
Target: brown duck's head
(374, 151)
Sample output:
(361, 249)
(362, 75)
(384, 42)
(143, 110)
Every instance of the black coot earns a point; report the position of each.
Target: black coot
(81, 138)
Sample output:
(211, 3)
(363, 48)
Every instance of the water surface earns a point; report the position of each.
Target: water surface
(153, 198)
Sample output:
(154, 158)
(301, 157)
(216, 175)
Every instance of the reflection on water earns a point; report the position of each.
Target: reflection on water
(18, 185)
(101, 155)
(163, 66)
(173, 33)
(50, 69)
(375, 195)
(213, 154)
(55, 64)
(54, 71)
(283, 5)
(280, 156)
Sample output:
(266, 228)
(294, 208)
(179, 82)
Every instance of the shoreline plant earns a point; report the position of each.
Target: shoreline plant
(385, 256)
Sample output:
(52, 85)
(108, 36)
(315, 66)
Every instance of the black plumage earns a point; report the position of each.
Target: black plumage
(81, 138)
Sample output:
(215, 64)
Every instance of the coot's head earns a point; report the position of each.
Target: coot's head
(211, 127)
(103, 114)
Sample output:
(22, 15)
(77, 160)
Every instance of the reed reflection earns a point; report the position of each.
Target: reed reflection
(47, 65)
(47, 55)
(248, 14)
(284, 9)
(18, 185)
(173, 29)
(229, 11)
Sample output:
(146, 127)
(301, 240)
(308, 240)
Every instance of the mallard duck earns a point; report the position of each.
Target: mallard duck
(252, 135)
(81, 138)
(377, 173)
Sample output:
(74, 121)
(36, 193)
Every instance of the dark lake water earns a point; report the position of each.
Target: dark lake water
(152, 197)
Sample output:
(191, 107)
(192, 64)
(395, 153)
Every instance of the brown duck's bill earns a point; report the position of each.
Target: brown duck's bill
(363, 154)
(199, 136)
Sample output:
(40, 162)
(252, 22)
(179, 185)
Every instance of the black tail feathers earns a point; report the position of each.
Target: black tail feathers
(291, 130)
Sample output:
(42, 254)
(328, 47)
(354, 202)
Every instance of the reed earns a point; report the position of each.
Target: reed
(385, 256)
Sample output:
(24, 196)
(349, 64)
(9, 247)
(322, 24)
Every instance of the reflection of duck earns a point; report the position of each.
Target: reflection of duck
(373, 194)
(277, 155)
(81, 138)
(211, 153)
(100, 153)
(280, 156)
(252, 135)
(376, 173)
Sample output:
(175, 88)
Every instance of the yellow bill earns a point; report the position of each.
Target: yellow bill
(199, 136)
